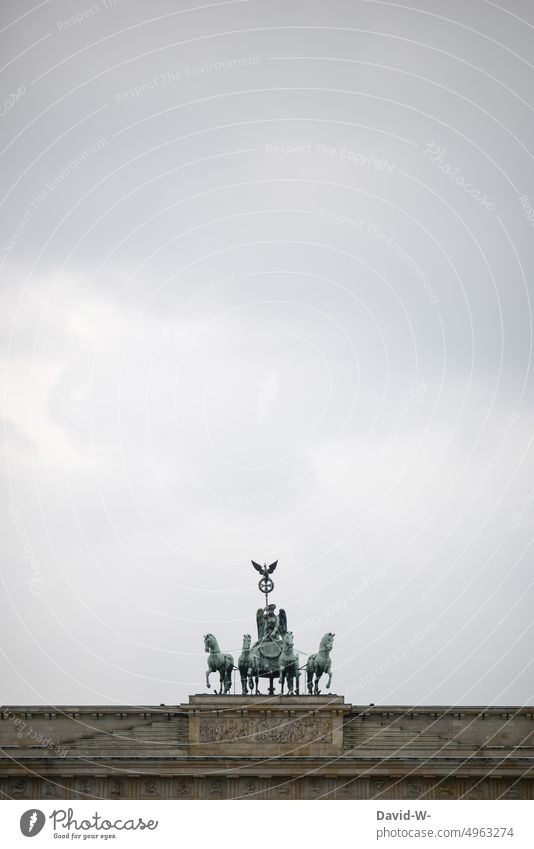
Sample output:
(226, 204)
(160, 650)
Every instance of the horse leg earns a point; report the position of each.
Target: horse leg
(282, 678)
(329, 671)
(257, 680)
(208, 673)
(290, 677)
(317, 679)
(310, 669)
(227, 678)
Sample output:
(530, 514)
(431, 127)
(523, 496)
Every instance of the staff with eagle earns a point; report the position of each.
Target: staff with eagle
(270, 626)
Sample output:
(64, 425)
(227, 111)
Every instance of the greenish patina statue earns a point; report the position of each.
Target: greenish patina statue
(319, 664)
(272, 655)
(248, 668)
(218, 662)
(289, 670)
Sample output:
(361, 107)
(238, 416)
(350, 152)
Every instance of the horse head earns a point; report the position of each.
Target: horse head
(327, 642)
(210, 643)
(246, 642)
(287, 640)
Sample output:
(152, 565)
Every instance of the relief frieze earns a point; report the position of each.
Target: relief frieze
(265, 730)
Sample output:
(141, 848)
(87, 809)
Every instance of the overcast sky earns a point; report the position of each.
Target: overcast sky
(266, 281)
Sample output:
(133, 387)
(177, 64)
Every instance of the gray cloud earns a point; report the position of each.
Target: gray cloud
(267, 273)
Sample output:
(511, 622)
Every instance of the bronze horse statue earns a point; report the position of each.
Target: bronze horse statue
(288, 666)
(218, 662)
(248, 665)
(319, 664)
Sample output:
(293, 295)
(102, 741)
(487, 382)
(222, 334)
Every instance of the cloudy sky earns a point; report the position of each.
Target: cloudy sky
(266, 293)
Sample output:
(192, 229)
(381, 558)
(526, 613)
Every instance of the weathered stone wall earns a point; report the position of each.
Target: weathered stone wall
(280, 748)
(71, 723)
(451, 729)
(260, 787)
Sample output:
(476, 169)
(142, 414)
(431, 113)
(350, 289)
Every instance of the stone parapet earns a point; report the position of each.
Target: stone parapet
(301, 726)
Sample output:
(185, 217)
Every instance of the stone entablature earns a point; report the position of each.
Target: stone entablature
(278, 725)
(312, 747)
